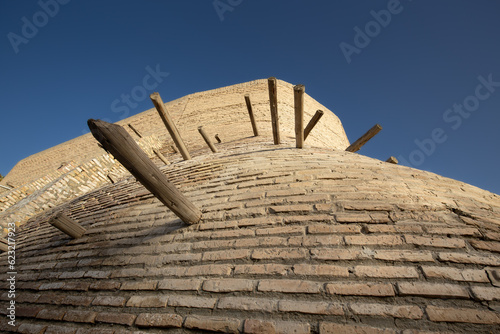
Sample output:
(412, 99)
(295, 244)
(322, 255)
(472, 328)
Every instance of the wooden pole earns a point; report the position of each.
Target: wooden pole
(312, 123)
(250, 113)
(169, 123)
(174, 148)
(66, 225)
(4, 245)
(161, 156)
(392, 160)
(298, 101)
(135, 130)
(218, 138)
(121, 145)
(273, 102)
(364, 138)
(207, 139)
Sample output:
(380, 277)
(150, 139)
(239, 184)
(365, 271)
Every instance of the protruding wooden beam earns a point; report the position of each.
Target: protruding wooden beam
(4, 245)
(312, 123)
(174, 148)
(161, 156)
(298, 101)
(364, 138)
(273, 102)
(67, 225)
(207, 139)
(121, 145)
(250, 113)
(135, 130)
(169, 123)
(218, 138)
(392, 160)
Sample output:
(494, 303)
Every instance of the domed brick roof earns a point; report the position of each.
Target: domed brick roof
(309, 240)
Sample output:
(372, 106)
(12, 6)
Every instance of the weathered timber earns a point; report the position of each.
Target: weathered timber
(392, 160)
(312, 123)
(174, 148)
(161, 156)
(252, 117)
(121, 145)
(67, 225)
(207, 139)
(4, 245)
(273, 102)
(135, 130)
(218, 138)
(364, 138)
(169, 123)
(298, 101)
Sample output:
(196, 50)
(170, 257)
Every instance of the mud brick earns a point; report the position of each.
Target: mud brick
(486, 293)
(385, 310)
(394, 229)
(320, 270)
(116, 318)
(404, 255)
(209, 269)
(381, 240)
(366, 206)
(329, 229)
(77, 300)
(494, 276)
(180, 284)
(468, 231)
(27, 311)
(455, 274)
(97, 274)
(247, 304)
(254, 326)
(214, 324)
(279, 253)
(163, 320)
(191, 301)
(31, 329)
(147, 301)
(50, 298)
(115, 301)
(72, 274)
(467, 315)
(262, 269)
(80, 316)
(234, 254)
(353, 217)
(310, 307)
(289, 286)
(59, 330)
(25, 297)
(333, 328)
(228, 285)
(280, 230)
(315, 240)
(140, 285)
(361, 289)
(51, 286)
(49, 314)
(487, 260)
(76, 286)
(436, 290)
(105, 285)
(490, 246)
(435, 241)
(386, 272)
(337, 254)
(302, 208)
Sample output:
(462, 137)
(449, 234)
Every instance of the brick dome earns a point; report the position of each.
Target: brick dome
(309, 240)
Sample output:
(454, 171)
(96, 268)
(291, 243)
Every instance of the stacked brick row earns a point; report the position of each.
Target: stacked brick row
(292, 241)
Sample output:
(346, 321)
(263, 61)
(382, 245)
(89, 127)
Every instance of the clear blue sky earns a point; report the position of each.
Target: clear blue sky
(427, 71)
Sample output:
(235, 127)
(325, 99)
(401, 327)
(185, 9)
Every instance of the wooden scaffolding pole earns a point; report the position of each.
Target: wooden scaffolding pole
(273, 102)
(364, 138)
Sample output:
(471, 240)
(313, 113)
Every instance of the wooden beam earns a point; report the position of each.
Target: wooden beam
(169, 123)
(312, 123)
(364, 138)
(67, 225)
(392, 160)
(121, 145)
(161, 157)
(4, 245)
(273, 102)
(298, 102)
(218, 138)
(135, 130)
(207, 139)
(250, 113)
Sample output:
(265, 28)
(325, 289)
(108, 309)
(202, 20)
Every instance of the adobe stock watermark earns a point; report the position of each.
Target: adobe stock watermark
(128, 101)
(454, 118)
(30, 28)
(372, 29)
(222, 6)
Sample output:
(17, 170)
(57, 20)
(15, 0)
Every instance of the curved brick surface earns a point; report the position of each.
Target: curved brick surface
(293, 241)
